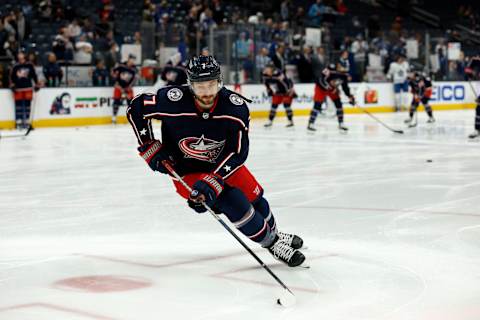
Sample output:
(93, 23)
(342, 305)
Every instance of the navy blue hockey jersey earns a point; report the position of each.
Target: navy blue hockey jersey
(23, 76)
(174, 75)
(214, 140)
(329, 80)
(124, 75)
(420, 85)
(277, 83)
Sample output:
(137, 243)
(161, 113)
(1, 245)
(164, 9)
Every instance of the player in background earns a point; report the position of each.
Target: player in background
(472, 71)
(421, 86)
(23, 80)
(398, 73)
(174, 72)
(205, 138)
(280, 88)
(124, 77)
(327, 86)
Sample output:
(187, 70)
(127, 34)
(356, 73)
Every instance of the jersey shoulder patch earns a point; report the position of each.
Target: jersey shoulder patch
(174, 94)
(236, 99)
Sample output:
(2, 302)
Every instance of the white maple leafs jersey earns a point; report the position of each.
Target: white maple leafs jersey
(398, 72)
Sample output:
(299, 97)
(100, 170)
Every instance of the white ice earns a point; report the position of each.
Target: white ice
(389, 235)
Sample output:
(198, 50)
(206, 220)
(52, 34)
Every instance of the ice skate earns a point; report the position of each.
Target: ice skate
(408, 121)
(310, 127)
(431, 120)
(342, 127)
(283, 252)
(474, 134)
(268, 124)
(292, 240)
(289, 124)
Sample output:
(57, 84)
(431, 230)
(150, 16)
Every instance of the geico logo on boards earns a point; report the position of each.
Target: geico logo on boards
(448, 92)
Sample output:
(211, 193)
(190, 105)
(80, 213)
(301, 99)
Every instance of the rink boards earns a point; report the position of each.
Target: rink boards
(90, 106)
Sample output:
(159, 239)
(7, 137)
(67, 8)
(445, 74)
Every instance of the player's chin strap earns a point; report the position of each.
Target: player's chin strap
(170, 169)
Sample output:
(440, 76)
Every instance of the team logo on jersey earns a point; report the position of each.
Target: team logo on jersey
(174, 94)
(201, 148)
(236, 100)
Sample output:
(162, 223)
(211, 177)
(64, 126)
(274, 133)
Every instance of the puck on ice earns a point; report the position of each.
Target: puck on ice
(429, 160)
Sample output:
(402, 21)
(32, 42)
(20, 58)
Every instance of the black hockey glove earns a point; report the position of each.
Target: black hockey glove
(197, 206)
(206, 190)
(154, 153)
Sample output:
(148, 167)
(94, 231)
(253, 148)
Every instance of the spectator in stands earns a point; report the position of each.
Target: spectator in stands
(278, 58)
(218, 11)
(262, 59)
(112, 56)
(241, 47)
(62, 47)
(100, 75)
(45, 10)
(10, 23)
(52, 71)
(11, 47)
(22, 25)
(137, 38)
(83, 51)
(319, 61)
(359, 49)
(304, 65)
(3, 38)
(74, 30)
(340, 7)
(343, 64)
(299, 19)
(315, 13)
(285, 10)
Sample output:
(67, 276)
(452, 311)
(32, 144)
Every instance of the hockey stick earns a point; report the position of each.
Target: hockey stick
(289, 298)
(379, 121)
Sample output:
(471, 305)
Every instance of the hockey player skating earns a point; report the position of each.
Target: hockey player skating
(422, 91)
(280, 88)
(124, 76)
(472, 71)
(23, 81)
(327, 86)
(398, 73)
(205, 139)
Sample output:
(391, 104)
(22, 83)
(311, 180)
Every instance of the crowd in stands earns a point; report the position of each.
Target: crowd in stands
(277, 36)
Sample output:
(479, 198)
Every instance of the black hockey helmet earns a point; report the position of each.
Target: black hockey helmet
(332, 67)
(203, 68)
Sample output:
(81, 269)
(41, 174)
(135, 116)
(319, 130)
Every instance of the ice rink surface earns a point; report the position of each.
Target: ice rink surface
(87, 231)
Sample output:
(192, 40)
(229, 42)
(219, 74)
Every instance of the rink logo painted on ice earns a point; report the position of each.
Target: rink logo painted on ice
(201, 148)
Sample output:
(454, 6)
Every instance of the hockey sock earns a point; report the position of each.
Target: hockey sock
(338, 105)
(413, 109)
(317, 107)
(273, 112)
(289, 111)
(262, 206)
(477, 117)
(398, 100)
(27, 104)
(428, 109)
(116, 106)
(235, 205)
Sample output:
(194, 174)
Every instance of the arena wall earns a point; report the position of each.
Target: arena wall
(92, 106)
